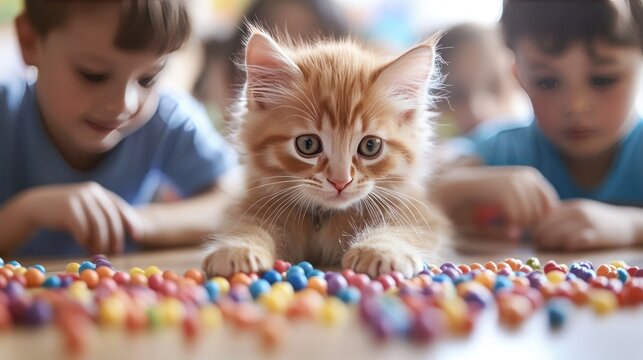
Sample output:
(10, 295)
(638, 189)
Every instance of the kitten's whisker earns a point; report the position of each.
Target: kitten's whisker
(410, 199)
(402, 214)
(277, 201)
(276, 183)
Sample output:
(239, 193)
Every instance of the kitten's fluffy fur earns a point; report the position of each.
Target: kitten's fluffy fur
(297, 207)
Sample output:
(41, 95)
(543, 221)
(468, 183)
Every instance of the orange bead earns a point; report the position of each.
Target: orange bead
(521, 282)
(491, 266)
(464, 268)
(476, 266)
(514, 263)
(195, 274)
(90, 277)
(138, 280)
(170, 275)
(104, 272)
(34, 277)
(240, 278)
(6, 273)
(503, 265)
(602, 270)
(564, 268)
(612, 274)
(318, 283)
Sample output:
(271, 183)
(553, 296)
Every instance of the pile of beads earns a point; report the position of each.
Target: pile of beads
(441, 299)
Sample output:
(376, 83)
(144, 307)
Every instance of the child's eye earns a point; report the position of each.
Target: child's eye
(93, 77)
(548, 84)
(601, 81)
(147, 82)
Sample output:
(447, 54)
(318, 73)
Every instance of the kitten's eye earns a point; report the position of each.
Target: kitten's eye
(308, 145)
(370, 146)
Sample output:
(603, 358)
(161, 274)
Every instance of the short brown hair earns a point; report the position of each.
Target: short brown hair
(161, 25)
(555, 24)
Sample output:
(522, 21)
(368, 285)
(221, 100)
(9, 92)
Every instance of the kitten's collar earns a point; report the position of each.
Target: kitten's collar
(320, 217)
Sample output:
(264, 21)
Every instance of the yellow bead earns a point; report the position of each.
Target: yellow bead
(486, 278)
(20, 271)
(171, 311)
(285, 289)
(602, 301)
(619, 264)
(78, 290)
(274, 302)
(333, 311)
(224, 284)
(136, 270)
(456, 311)
(112, 312)
(211, 316)
(72, 268)
(152, 270)
(556, 276)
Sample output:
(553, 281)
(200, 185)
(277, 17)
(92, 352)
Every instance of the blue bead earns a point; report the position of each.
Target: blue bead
(259, 287)
(14, 263)
(52, 282)
(86, 265)
(502, 282)
(295, 269)
(349, 295)
(441, 278)
(571, 276)
(622, 274)
(272, 276)
(306, 266)
(298, 281)
(315, 273)
(1, 262)
(557, 312)
(40, 268)
(213, 290)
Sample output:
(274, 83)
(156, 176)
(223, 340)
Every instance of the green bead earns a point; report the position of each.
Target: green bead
(534, 263)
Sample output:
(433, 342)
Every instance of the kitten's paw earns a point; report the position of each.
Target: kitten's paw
(225, 261)
(374, 260)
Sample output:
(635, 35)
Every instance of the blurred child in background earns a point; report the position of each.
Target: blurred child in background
(573, 177)
(479, 94)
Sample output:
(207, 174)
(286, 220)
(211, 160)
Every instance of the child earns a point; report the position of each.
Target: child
(580, 64)
(89, 140)
(478, 86)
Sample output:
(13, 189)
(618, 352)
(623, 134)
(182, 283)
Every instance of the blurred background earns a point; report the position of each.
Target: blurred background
(479, 86)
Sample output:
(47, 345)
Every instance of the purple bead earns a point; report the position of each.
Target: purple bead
(335, 284)
(587, 265)
(504, 272)
(369, 309)
(536, 281)
(428, 290)
(428, 325)
(65, 281)
(475, 300)
(40, 312)
(97, 257)
(14, 289)
(408, 291)
(451, 272)
(447, 265)
(426, 272)
(240, 293)
(383, 328)
(104, 262)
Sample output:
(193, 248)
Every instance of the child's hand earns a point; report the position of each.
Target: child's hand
(585, 224)
(512, 197)
(97, 218)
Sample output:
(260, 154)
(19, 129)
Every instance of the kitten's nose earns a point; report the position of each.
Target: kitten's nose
(340, 184)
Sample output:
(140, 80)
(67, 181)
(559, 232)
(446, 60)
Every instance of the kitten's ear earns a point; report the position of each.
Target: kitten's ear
(406, 79)
(269, 70)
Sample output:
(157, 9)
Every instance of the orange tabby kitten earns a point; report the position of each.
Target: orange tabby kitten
(336, 142)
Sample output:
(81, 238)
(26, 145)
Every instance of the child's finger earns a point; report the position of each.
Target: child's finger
(116, 231)
(131, 220)
(78, 224)
(97, 236)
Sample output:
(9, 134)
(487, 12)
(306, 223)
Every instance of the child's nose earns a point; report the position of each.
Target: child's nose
(578, 103)
(124, 101)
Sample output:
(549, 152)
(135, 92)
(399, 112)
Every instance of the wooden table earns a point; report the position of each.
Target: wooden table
(585, 336)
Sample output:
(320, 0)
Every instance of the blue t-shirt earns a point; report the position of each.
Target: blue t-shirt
(178, 143)
(526, 145)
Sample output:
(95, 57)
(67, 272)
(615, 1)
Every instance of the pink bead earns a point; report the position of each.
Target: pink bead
(398, 277)
(155, 282)
(387, 281)
(359, 281)
(121, 278)
(281, 266)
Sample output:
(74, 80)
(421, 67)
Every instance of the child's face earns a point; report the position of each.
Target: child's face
(92, 95)
(583, 103)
